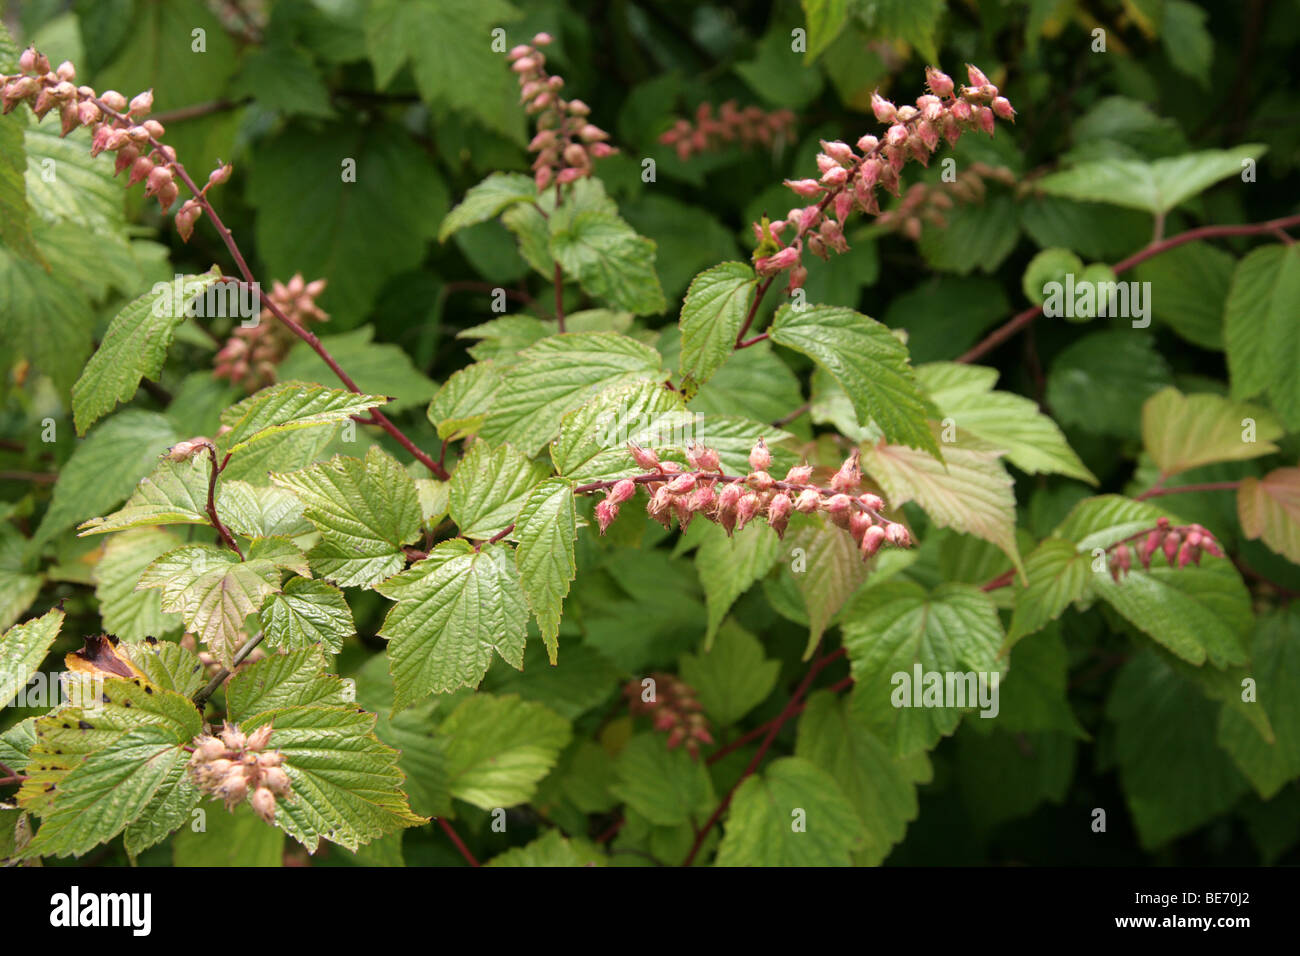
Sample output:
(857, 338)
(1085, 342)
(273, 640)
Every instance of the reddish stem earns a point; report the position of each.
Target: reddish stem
(1159, 490)
(222, 530)
(448, 829)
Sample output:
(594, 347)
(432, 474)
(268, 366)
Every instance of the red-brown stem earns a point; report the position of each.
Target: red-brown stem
(306, 335)
(1159, 490)
(753, 309)
(791, 708)
(14, 778)
(222, 530)
(1022, 319)
(1001, 581)
(448, 829)
(754, 341)
(612, 832)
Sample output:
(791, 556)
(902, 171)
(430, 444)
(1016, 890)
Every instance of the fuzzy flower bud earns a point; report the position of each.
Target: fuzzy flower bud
(746, 508)
(799, 474)
(142, 103)
(806, 188)
(850, 474)
(703, 458)
(606, 512)
(884, 110)
(760, 459)
(896, 534)
(644, 457)
(872, 539)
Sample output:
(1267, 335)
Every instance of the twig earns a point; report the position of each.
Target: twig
(199, 109)
(222, 530)
(753, 310)
(1157, 490)
(448, 829)
(1022, 319)
(211, 686)
(797, 413)
(37, 477)
(559, 296)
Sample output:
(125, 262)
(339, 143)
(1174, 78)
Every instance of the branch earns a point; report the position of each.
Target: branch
(753, 311)
(455, 838)
(222, 530)
(307, 336)
(211, 686)
(1022, 319)
(793, 707)
(1158, 489)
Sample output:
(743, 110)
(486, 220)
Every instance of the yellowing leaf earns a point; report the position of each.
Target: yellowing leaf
(1269, 508)
(1182, 432)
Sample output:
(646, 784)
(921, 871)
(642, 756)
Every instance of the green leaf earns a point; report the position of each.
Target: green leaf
(365, 510)
(288, 406)
(22, 650)
(105, 468)
(592, 444)
(176, 493)
(715, 308)
(732, 677)
(978, 236)
(1156, 187)
(557, 375)
(1269, 509)
(1058, 576)
(1098, 382)
(360, 230)
(15, 212)
(283, 77)
(1034, 698)
(230, 839)
(972, 493)
(376, 367)
(1262, 338)
(488, 200)
(826, 18)
(1187, 42)
(551, 849)
(58, 344)
(881, 787)
(499, 749)
(130, 614)
(83, 192)
(608, 259)
(346, 784)
(1269, 765)
(1032, 441)
(729, 564)
(261, 511)
(793, 814)
(461, 405)
(868, 361)
(897, 628)
(453, 610)
(450, 48)
(667, 787)
(213, 591)
(307, 612)
(1189, 290)
(489, 488)
(134, 347)
(826, 570)
(1175, 778)
(547, 531)
(293, 679)
(1181, 432)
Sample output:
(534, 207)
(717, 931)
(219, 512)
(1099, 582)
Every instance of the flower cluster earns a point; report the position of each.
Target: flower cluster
(751, 126)
(1180, 544)
(231, 765)
(116, 126)
(734, 501)
(566, 142)
(927, 202)
(251, 354)
(849, 178)
(674, 710)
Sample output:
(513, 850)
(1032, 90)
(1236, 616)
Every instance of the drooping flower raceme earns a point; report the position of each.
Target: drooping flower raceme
(750, 126)
(849, 177)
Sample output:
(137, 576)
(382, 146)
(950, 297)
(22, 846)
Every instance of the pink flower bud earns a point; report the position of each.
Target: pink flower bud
(88, 114)
(896, 135)
(898, 535)
(1002, 107)
(746, 508)
(525, 64)
(940, 83)
(621, 491)
(542, 178)
(984, 117)
(606, 512)
(142, 103)
(859, 522)
(1123, 558)
(27, 61)
(778, 512)
(601, 150)
(884, 110)
(868, 144)
(850, 474)
(961, 111)
(519, 51)
(907, 113)
(186, 218)
(140, 170)
(153, 128)
(158, 177)
(114, 100)
(759, 480)
(703, 458)
(807, 188)
(579, 108)
(799, 474)
(1171, 543)
(835, 177)
(682, 484)
(976, 76)
(872, 539)
(704, 499)
(542, 39)
(264, 804)
(592, 134)
(808, 501)
(826, 163)
(784, 259)
(644, 457)
(1186, 554)
(872, 502)
(760, 459)
(840, 152)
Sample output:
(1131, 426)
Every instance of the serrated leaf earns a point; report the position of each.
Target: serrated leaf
(557, 375)
(1269, 509)
(825, 18)
(176, 493)
(1263, 341)
(1011, 422)
(970, 491)
(551, 849)
(881, 787)
(231, 839)
(607, 258)
(547, 531)
(365, 510)
(1189, 290)
(830, 571)
(667, 787)
(897, 628)
(1155, 187)
(307, 612)
(1181, 432)
(1099, 381)
(454, 609)
(489, 488)
(461, 405)
(592, 444)
(22, 649)
(733, 676)
(868, 361)
(760, 827)
(712, 314)
(499, 748)
(296, 678)
(264, 511)
(288, 406)
(488, 200)
(729, 564)
(1057, 576)
(130, 614)
(213, 591)
(134, 347)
